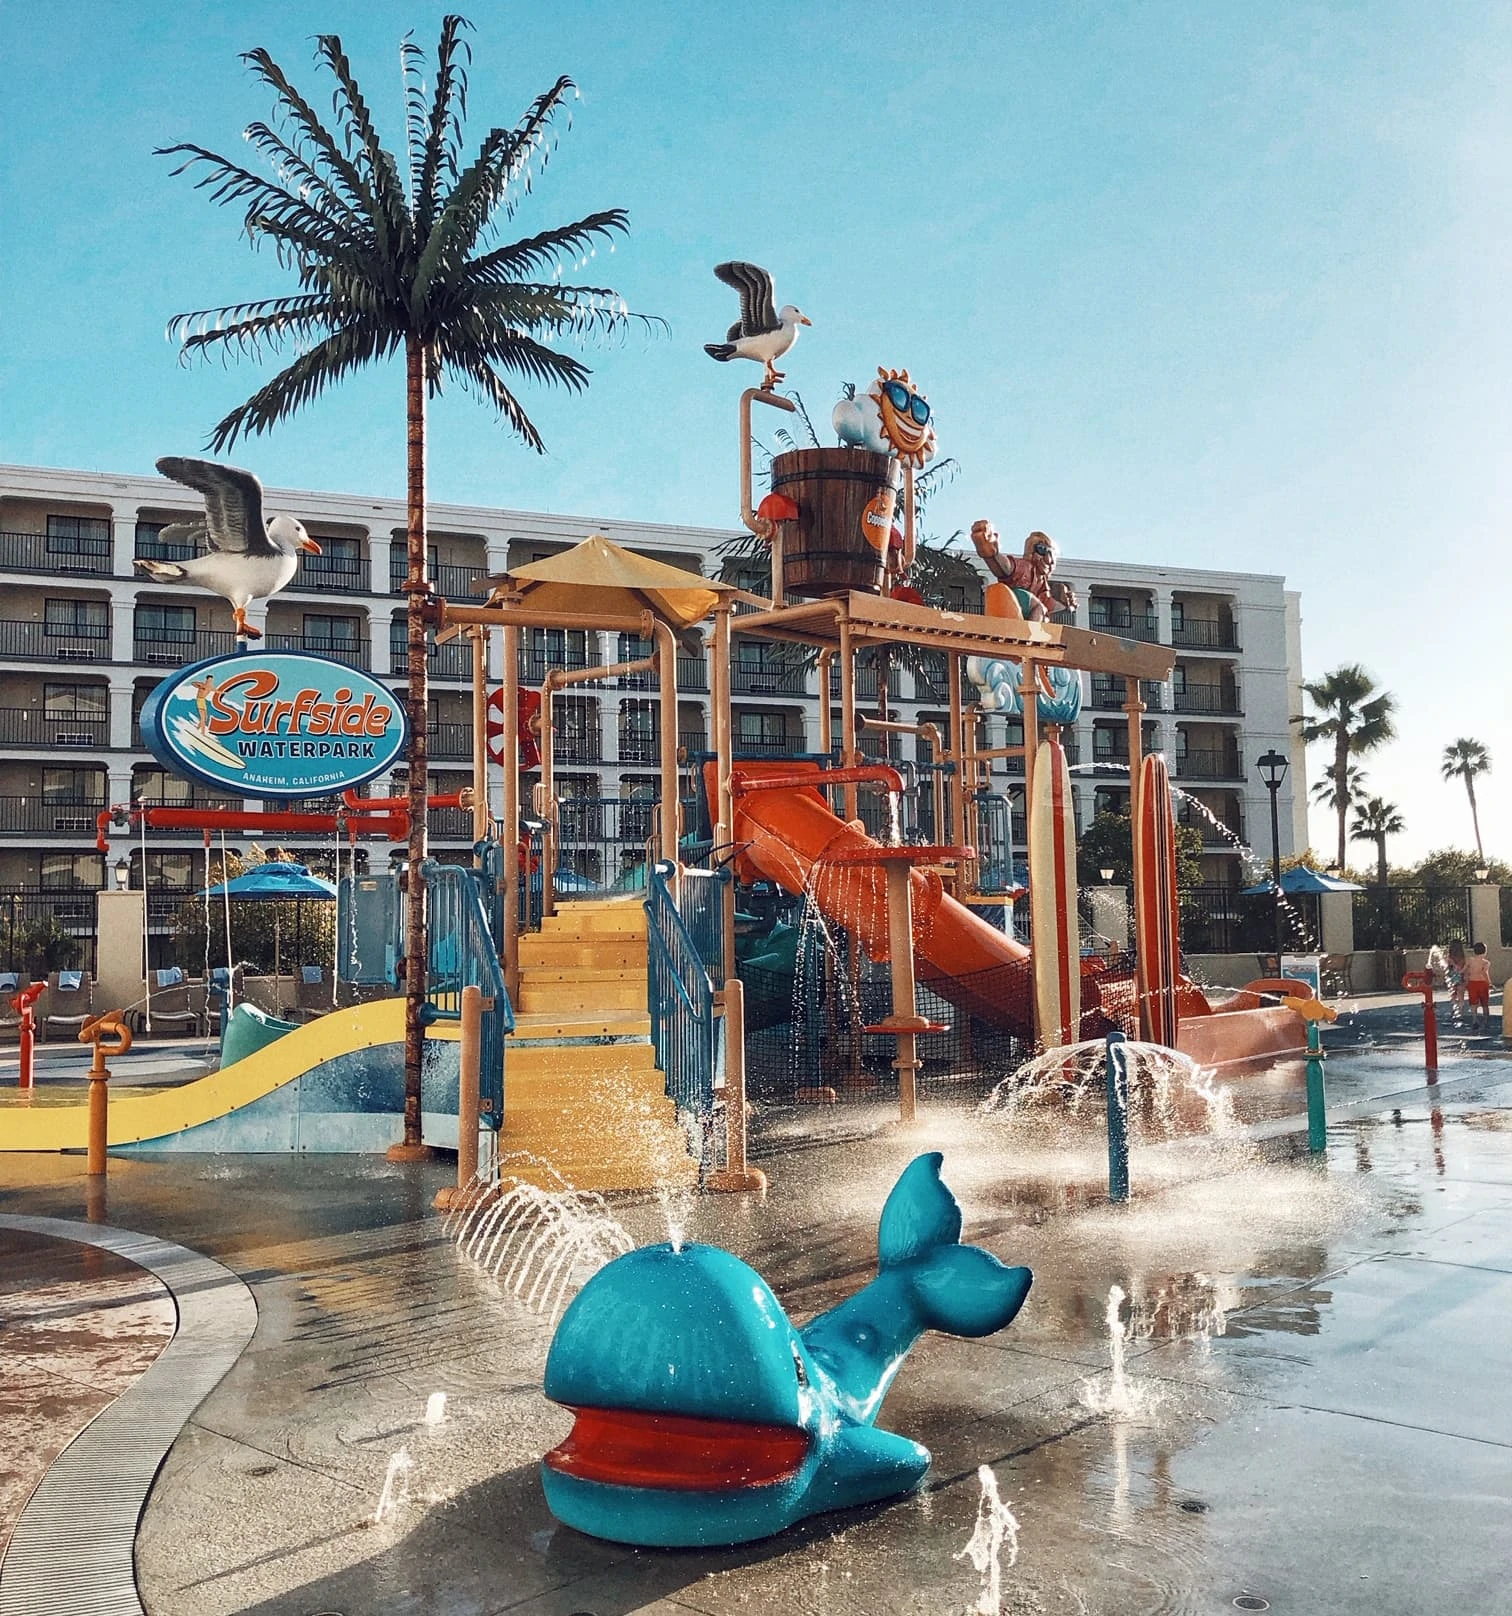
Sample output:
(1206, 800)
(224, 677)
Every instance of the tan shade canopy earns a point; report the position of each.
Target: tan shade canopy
(600, 576)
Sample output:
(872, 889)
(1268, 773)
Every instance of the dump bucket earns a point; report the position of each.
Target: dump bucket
(846, 499)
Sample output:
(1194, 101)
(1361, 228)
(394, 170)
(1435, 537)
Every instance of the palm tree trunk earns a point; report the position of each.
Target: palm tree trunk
(1341, 788)
(418, 593)
(1480, 852)
(1380, 861)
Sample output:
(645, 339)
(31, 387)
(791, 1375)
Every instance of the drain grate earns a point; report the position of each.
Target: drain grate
(1251, 1602)
(71, 1552)
(1195, 1506)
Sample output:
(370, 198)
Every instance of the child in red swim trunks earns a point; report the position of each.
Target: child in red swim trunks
(1478, 981)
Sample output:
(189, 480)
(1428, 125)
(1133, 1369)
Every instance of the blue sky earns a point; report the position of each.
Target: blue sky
(1217, 285)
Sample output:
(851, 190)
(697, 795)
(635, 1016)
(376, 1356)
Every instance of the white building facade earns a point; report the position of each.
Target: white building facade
(84, 637)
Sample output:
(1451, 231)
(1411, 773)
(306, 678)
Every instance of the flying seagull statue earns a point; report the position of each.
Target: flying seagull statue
(763, 332)
(249, 558)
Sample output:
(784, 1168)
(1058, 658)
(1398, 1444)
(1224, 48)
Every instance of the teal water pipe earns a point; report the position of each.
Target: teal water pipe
(1118, 1118)
(1317, 1108)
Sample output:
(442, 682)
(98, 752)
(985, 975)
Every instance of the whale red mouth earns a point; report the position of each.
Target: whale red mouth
(631, 1448)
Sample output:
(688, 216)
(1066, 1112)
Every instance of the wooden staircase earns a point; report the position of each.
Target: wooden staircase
(582, 1092)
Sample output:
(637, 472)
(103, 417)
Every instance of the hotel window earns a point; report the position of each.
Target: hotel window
(76, 619)
(75, 701)
(73, 785)
(64, 872)
(324, 633)
(174, 625)
(78, 535)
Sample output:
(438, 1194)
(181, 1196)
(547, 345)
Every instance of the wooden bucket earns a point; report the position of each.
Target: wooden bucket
(846, 500)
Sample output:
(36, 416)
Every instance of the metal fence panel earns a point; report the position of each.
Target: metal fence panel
(461, 953)
(681, 999)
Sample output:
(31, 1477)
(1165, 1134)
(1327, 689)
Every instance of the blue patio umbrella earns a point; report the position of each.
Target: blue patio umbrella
(274, 882)
(1302, 879)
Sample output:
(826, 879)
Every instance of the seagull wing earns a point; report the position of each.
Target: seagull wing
(233, 503)
(758, 309)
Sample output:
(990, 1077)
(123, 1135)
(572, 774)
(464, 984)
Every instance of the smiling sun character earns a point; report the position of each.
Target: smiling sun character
(904, 415)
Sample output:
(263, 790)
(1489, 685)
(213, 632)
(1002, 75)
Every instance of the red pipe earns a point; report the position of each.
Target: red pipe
(374, 816)
(1422, 982)
(863, 774)
(22, 1003)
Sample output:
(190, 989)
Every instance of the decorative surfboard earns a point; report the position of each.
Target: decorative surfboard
(1052, 898)
(1155, 898)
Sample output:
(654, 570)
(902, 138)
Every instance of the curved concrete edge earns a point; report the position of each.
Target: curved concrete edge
(72, 1550)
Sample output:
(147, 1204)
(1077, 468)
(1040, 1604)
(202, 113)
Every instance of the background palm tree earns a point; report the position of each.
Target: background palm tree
(1355, 719)
(1465, 759)
(395, 257)
(1375, 820)
(1325, 791)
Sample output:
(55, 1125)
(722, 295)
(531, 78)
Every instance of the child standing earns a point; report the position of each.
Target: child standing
(1478, 981)
(1454, 971)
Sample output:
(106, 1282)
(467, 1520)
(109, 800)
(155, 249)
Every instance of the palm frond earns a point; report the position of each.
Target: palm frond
(440, 148)
(309, 376)
(291, 164)
(534, 253)
(390, 214)
(293, 106)
(267, 203)
(481, 379)
(510, 349)
(253, 328)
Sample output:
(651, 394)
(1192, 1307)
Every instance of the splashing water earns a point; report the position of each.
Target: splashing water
(435, 1409)
(996, 1528)
(553, 1240)
(1169, 1093)
(1123, 1399)
(396, 1486)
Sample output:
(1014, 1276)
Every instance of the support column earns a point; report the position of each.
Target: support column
(511, 829)
(123, 541)
(379, 548)
(848, 758)
(1336, 921)
(666, 674)
(121, 689)
(1485, 915)
(723, 805)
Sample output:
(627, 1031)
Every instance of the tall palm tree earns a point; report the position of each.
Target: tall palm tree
(397, 256)
(1375, 820)
(1354, 718)
(1465, 759)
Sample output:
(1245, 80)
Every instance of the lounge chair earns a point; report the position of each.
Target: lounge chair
(312, 991)
(67, 1004)
(1337, 974)
(173, 1006)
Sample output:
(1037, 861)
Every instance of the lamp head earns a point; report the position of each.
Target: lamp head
(1272, 766)
(122, 874)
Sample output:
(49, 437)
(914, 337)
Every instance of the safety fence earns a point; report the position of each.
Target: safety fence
(680, 994)
(462, 953)
(1410, 917)
(45, 930)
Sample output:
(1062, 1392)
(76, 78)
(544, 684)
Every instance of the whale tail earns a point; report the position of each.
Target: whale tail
(961, 1290)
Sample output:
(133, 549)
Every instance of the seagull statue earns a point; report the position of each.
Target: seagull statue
(248, 558)
(763, 332)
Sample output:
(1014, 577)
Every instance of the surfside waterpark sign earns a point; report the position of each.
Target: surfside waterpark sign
(274, 724)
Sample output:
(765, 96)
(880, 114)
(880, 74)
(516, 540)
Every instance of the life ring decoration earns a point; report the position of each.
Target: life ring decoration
(527, 727)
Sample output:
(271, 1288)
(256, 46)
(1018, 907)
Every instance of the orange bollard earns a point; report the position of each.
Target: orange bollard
(1422, 982)
(95, 1032)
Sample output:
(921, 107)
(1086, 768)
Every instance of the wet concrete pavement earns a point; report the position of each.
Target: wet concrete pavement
(1317, 1414)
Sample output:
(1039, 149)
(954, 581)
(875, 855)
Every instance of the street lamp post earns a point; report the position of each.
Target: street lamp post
(1273, 766)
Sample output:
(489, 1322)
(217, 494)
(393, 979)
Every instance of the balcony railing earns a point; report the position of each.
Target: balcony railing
(535, 662)
(1126, 625)
(450, 661)
(1209, 765)
(168, 649)
(577, 746)
(1207, 699)
(42, 552)
(30, 726)
(692, 673)
(639, 748)
(354, 653)
(448, 740)
(452, 824)
(1203, 634)
(332, 574)
(32, 816)
(50, 642)
(867, 683)
(454, 582)
(772, 678)
(155, 549)
(1111, 697)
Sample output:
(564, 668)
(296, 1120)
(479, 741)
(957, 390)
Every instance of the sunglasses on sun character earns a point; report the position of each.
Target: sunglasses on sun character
(905, 402)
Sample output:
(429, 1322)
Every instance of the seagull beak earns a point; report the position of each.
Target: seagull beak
(309, 546)
(803, 319)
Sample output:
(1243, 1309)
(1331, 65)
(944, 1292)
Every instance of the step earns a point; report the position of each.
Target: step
(594, 998)
(572, 921)
(559, 1024)
(554, 952)
(555, 1058)
(586, 976)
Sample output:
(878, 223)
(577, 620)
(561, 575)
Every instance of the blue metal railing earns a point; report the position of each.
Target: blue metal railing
(684, 1032)
(461, 953)
(701, 906)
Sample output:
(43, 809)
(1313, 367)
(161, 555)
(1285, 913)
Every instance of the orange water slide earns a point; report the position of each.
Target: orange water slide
(790, 836)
